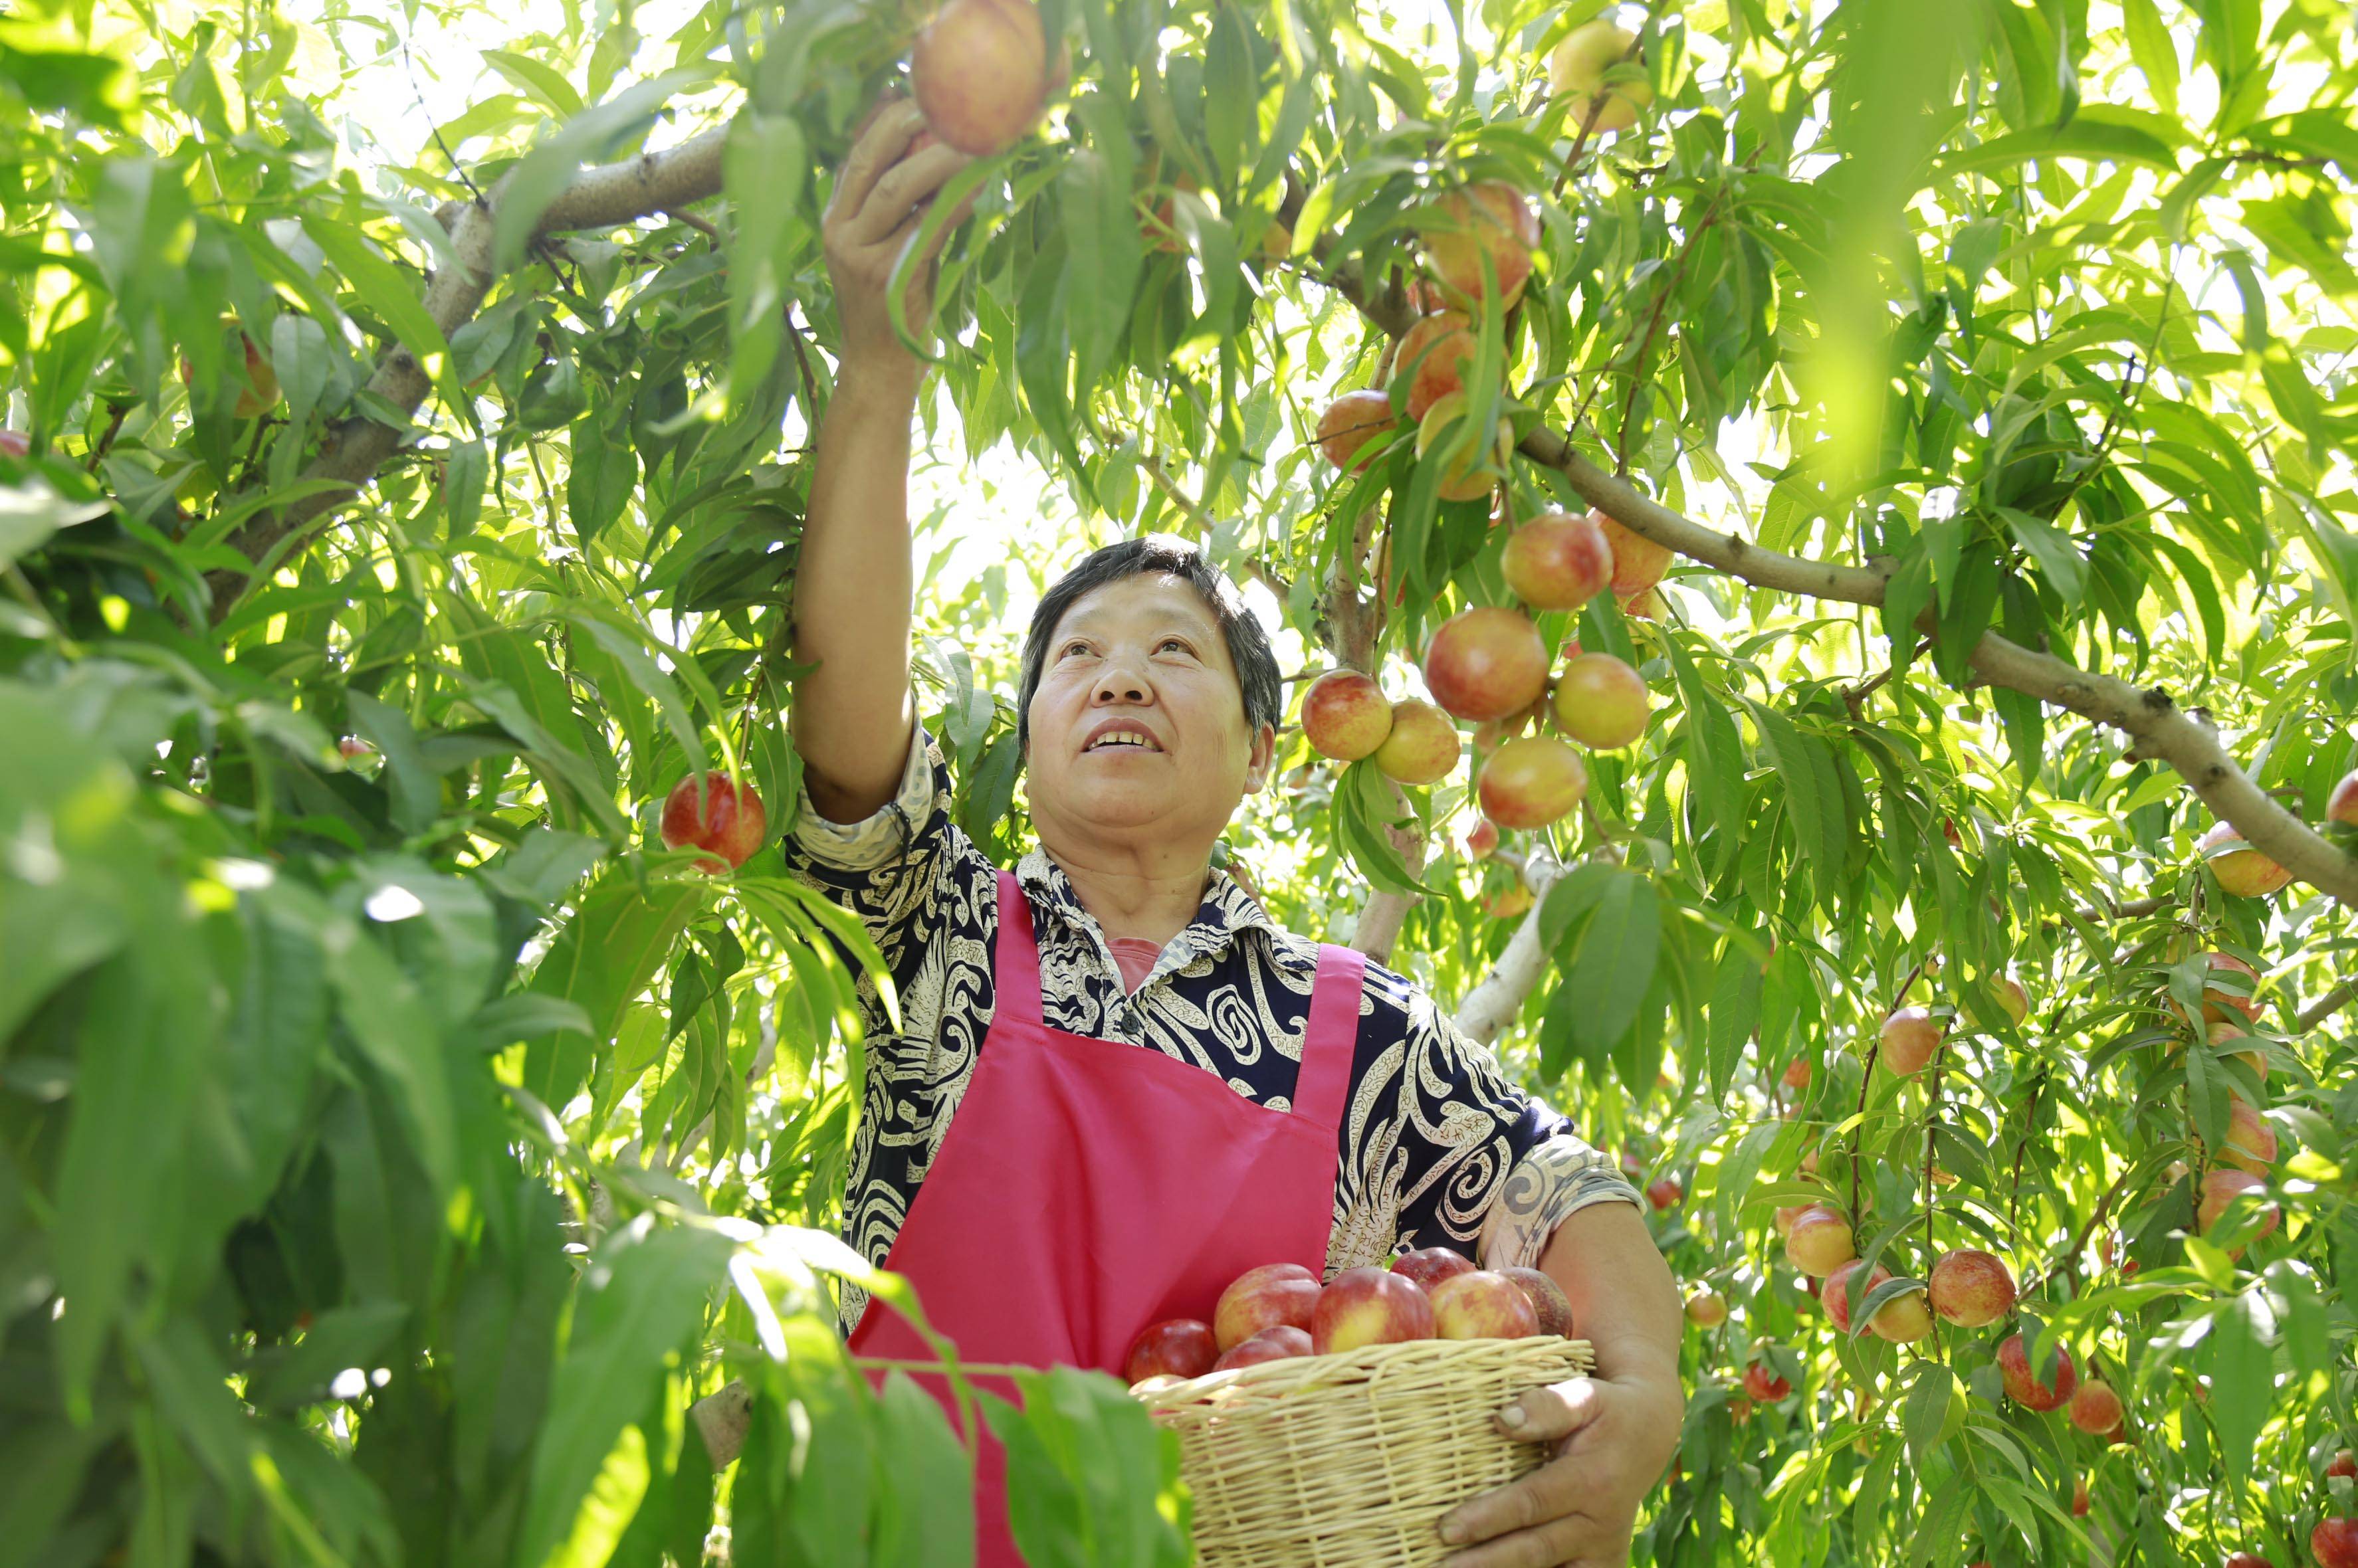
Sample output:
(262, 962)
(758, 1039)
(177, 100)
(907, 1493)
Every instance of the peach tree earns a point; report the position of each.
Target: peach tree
(411, 1159)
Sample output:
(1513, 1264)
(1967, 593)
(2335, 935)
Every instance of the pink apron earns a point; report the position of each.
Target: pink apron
(1087, 1188)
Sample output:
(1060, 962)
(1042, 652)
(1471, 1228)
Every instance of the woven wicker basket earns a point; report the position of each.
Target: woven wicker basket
(1350, 1460)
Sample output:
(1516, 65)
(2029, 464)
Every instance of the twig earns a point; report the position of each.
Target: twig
(117, 412)
(702, 227)
(417, 97)
(1866, 1080)
(1855, 697)
(1654, 325)
(2088, 1227)
(2328, 1004)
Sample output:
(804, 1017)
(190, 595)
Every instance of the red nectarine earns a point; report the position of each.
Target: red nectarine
(1557, 561)
(1911, 1038)
(2241, 869)
(1461, 228)
(1277, 1344)
(727, 819)
(1433, 357)
(1971, 1288)
(1480, 1305)
(2095, 1409)
(1485, 662)
(979, 73)
(1601, 702)
(1531, 782)
(1428, 1265)
(1345, 715)
(1820, 1241)
(1272, 1296)
(1354, 429)
(2027, 1390)
(1639, 563)
(1422, 745)
(1368, 1306)
(1181, 1347)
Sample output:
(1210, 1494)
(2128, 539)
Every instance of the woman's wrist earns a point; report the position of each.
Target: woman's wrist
(880, 379)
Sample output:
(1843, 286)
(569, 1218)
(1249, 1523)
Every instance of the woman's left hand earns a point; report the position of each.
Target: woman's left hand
(1610, 1439)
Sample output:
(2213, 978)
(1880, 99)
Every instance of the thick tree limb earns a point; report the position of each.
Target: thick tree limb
(2328, 1004)
(2150, 718)
(353, 449)
(1495, 1003)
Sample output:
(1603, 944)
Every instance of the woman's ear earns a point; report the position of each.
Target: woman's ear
(1257, 765)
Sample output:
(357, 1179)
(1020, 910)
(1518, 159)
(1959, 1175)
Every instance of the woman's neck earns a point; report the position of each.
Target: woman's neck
(1146, 900)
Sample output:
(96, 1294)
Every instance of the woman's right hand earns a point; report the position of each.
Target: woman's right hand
(882, 193)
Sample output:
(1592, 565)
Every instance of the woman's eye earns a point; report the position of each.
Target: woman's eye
(1175, 643)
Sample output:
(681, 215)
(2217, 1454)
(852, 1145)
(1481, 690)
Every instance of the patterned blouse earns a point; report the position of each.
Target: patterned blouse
(1437, 1149)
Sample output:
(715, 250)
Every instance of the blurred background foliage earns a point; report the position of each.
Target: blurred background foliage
(399, 1140)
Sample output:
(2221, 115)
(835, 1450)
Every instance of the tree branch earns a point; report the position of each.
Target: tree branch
(2326, 1006)
(354, 448)
(1490, 1006)
(2150, 718)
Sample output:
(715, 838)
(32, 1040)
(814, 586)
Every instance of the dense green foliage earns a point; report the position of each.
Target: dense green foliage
(399, 1140)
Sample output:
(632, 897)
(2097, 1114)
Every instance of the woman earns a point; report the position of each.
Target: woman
(1117, 1084)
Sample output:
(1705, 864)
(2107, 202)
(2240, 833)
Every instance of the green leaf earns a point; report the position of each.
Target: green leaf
(543, 173)
(2242, 1376)
(930, 1518)
(639, 1303)
(600, 963)
(388, 293)
(1077, 1451)
(2096, 134)
(2153, 49)
(537, 78)
(1612, 964)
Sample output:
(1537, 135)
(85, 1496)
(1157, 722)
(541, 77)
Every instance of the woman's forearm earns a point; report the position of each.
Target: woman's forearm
(1623, 1301)
(852, 588)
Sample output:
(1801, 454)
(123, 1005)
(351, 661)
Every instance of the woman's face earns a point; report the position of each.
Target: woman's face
(1143, 658)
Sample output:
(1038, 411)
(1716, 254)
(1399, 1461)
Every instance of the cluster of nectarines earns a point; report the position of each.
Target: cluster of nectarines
(1280, 1310)
(1489, 666)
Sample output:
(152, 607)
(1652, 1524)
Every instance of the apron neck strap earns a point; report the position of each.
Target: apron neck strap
(1331, 1037)
(1015, 962)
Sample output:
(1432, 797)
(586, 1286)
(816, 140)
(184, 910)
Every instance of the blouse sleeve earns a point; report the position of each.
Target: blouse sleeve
(1487, 1168)
(887, 867)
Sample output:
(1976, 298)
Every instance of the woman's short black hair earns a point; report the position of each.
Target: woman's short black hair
(1248, 649)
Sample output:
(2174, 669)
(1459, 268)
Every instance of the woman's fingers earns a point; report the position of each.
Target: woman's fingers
(1557, 1411)
(908, 184)
(889, 130)
(1548, 1544)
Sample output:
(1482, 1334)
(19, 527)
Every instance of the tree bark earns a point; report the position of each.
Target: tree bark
(355, 447)
(1495, 1003)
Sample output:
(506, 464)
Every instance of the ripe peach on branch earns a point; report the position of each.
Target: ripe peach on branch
(1490, 222)
(2023, 1384)
(725, 816)
(1601, 702)
(2241, 869)
(1345, 715)
(1354, 429)
(1532, 781)
(979, 73)
(1485, 662)
(1422, 746)
(1971, 1288)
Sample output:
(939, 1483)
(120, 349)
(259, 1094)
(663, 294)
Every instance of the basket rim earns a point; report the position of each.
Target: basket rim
(1357, 1367)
